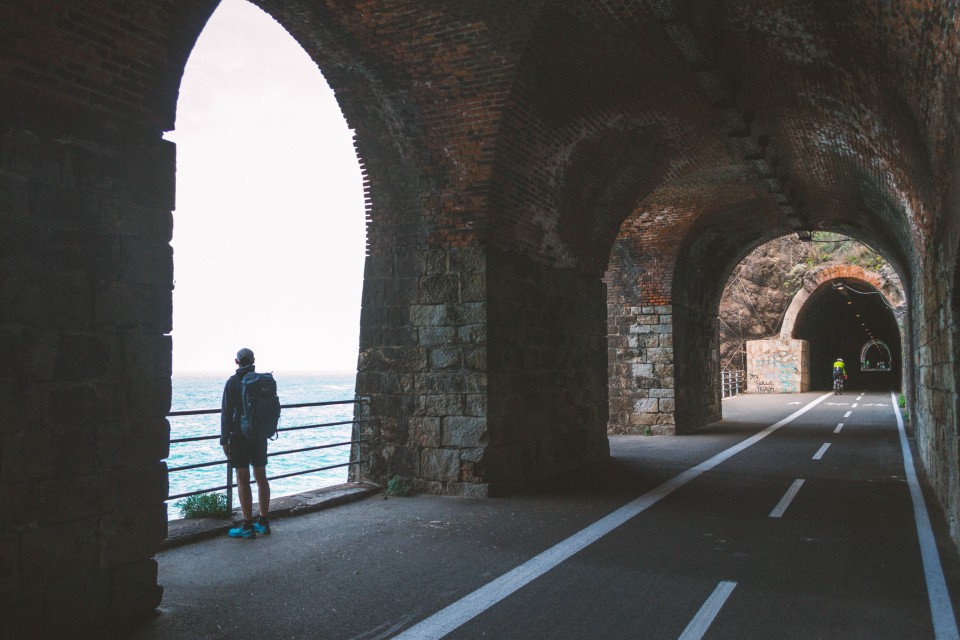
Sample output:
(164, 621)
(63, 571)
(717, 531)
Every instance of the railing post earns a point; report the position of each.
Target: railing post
(229, 487)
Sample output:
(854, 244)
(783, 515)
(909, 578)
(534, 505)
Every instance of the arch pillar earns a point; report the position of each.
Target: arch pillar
(485, 369)
(640, 342)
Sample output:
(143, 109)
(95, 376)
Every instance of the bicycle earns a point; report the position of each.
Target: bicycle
(838, 385)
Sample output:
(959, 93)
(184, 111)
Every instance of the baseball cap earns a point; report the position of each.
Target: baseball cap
(245, 354)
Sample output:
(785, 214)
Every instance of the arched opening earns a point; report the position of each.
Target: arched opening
(770, 289)
(875, 355)
(268, 243)
(836, 321)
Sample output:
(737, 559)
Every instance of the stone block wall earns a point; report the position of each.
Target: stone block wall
(778, 366)
(423, 366)
(697, 365)
(641, 372)
(86, 280)
(934, 408)
(452, 412)
(547, 371)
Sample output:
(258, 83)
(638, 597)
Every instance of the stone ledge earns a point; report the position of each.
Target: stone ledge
(186, 531)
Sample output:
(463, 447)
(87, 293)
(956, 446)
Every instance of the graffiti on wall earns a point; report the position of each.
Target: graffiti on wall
(775, 366)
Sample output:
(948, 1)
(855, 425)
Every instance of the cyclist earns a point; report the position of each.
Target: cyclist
(839, 375)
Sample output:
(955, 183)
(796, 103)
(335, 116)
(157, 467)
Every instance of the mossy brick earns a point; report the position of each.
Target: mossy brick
(439, 405)
(437, 336)
(431, 315)
(441, 465)
(446, 358)
(464, 432)
(425, 431)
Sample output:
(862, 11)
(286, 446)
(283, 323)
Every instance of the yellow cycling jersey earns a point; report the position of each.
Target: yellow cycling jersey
(839, 364)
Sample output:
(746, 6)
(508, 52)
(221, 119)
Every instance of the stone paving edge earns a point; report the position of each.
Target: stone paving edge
(186, 531)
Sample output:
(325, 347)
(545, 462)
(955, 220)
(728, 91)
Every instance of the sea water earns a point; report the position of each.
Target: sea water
(194, 392)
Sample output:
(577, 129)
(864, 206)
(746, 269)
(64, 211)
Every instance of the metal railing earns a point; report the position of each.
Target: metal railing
(357, 421)
(731, 382)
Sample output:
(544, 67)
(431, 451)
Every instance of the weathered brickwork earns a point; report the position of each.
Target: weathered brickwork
(556, 194)
(890, 287)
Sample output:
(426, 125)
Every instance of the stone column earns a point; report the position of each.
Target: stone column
(641, 370)
(84, 331)
(423, 366)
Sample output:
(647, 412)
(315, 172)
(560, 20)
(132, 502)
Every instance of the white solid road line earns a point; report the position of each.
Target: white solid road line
(704, 618)
(839, 426)
(473, 604)
(944, 623)
(786, 499)
(821, 451)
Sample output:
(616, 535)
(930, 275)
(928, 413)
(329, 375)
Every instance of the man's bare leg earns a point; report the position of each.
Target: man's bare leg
(244, 493)
(263, 490)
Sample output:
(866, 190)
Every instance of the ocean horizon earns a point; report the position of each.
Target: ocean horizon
(203, 391)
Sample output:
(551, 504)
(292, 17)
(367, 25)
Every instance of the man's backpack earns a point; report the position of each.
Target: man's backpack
(260, 405)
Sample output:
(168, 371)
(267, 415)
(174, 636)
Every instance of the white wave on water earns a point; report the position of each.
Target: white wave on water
(191, 392)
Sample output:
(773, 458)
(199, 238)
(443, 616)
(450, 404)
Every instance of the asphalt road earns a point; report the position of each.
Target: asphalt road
(650, 546)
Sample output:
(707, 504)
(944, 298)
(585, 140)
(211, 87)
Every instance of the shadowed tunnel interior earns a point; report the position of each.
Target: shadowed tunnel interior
(837, 321)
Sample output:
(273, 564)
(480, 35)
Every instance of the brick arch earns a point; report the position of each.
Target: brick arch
(823, 277)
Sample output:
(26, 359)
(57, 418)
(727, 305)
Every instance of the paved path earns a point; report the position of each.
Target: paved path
(780, 537)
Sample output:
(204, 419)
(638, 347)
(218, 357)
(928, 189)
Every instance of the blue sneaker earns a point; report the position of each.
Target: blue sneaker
(244, 530)
(262, 525)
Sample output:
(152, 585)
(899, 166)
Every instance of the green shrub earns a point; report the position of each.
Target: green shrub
(901, 401)
(203, 505)
(399, 487)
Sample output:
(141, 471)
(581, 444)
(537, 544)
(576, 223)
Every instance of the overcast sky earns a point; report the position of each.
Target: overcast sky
(269, 226)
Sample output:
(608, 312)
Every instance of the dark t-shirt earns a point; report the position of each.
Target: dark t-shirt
(230, 408)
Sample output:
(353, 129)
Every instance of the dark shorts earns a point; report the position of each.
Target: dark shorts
(247, 453)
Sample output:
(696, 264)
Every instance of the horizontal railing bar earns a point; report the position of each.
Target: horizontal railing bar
(322, 446)
(297, 428)
(301, 473)
(322, 424)
(196, 493)
(253, 480)
(203, 412)
(200, 465)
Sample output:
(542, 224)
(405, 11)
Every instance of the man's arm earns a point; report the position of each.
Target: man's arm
(226, 415)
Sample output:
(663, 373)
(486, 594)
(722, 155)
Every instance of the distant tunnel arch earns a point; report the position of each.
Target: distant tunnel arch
(890, 289)
(844, 311)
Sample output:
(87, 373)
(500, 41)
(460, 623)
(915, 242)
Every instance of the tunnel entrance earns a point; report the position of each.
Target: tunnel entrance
(848, 318)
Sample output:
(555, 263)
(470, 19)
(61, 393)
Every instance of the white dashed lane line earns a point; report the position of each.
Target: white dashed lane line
(785, 501)
(821, 451)
(704, 618)
(473, 604)
(847, 414)
(839, 426)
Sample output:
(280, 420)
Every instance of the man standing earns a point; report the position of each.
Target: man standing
(244, 453)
